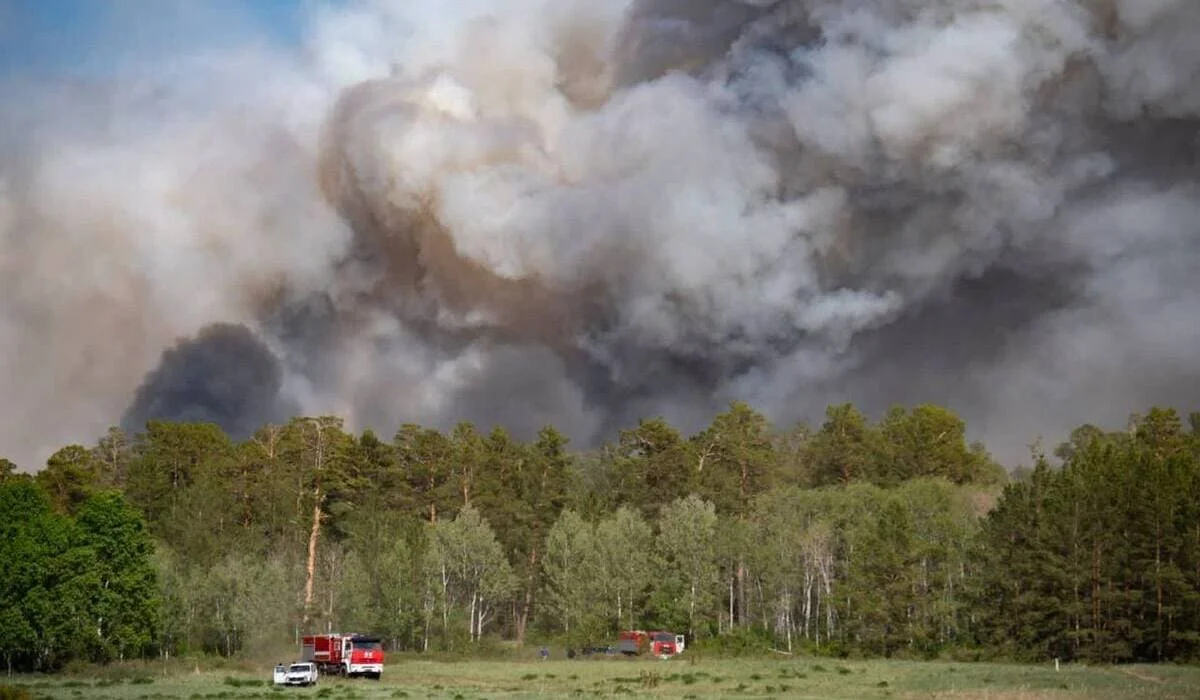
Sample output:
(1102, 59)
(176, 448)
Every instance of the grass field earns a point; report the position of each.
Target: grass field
(677, 678)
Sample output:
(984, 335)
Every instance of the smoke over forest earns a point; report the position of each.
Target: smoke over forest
(583, 212)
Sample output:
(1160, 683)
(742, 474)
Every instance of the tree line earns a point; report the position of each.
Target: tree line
(882, 538)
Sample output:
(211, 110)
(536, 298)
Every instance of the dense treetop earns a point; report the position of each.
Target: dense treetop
(851, 537)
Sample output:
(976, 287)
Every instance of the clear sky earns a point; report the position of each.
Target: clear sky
(90, 37)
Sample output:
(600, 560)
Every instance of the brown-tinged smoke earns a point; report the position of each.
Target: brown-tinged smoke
(587, 211)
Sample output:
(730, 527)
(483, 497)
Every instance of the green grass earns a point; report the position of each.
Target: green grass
(681, 678)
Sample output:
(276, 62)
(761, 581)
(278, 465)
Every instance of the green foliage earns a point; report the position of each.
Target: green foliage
(626, 543)
(652, 465)
(735, 459)
(842, 451)
(891, 538)
(8, 470)
(70, 476)
(574, 578)
(32, 541)
(1100, 559)
(687, 582)
(424, 456)
(929, 441)
(468, 572)
(743, 641)
(237, 600)
(82, 587)
(381, 583)
(175, 478)
(125, 602)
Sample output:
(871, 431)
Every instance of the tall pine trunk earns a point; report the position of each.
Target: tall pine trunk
(315, 532)
(311, 567)
(741, 591)
(619, 620)
(527, 603)
(472, 624)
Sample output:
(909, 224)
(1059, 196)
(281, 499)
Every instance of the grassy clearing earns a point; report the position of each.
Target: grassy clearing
(679, 678)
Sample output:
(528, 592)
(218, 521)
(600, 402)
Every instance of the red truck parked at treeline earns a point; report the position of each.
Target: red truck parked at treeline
(659, 643)
(344, 654)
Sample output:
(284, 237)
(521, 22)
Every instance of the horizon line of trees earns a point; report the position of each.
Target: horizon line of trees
(895, 537)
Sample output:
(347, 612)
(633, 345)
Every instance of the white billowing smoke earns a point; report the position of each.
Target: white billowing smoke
(582, 212)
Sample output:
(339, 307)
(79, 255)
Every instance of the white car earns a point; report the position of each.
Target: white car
(302, 673)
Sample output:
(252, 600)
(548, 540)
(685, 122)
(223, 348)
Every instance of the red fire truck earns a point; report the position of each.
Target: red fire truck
(632, 642)
(344, 654)
(660, 643)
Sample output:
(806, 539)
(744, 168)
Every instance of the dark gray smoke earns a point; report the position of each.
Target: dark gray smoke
(588, 211)
(225, 375)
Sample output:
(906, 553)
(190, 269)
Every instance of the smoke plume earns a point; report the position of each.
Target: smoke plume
(582, 212)
(224, 375)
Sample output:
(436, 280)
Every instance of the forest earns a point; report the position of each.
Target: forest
(894, 537)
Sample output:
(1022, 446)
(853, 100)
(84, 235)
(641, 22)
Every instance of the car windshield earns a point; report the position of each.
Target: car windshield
(300, 667)
(367, 644)
(664, 637)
